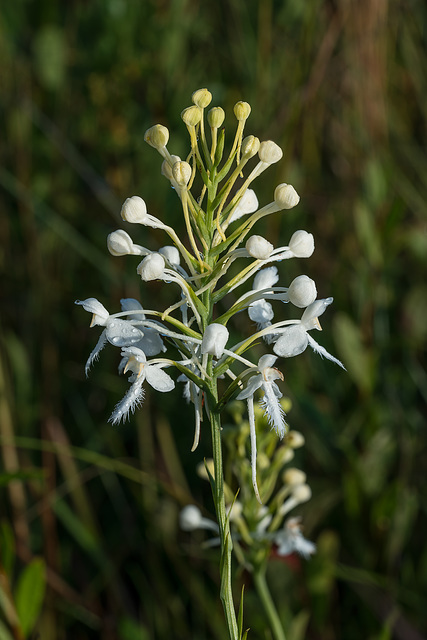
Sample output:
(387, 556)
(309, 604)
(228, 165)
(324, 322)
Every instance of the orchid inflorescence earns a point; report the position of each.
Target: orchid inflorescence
(194, 333)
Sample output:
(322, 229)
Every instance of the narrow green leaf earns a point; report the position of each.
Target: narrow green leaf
(30, 594)
(224, 566)
(210, 476)
(240, 616)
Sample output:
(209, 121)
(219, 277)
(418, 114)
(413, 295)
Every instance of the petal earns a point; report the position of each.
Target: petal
(158, 378)
(313, 311)
(292, 342)
(100, 313)
(254, 383)
(132, 399)
(261, 311)
(151, 344)
(122, 333)
(102, 341)
(273, 410)
(317, 348)
(266, 360)
(266, 278)
(130, 304)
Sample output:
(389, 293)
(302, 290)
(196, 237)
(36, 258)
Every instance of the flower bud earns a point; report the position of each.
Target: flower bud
(214, 339)
(181, 172)
(157, 136)
(259, 248)
(250, 147)
(294, 476)
(269, 152)
(285, 196)
(190, 518)
(167, 168)
(119, 243)
(171, 254)
(192, 116)
(242, 110)
(152, 267)
(302, 244)
(202, 98)
(134, 210)
(216, 117)
(302, 292)
(295, 439)
(292, 342)
(302, 493)
(284, 454)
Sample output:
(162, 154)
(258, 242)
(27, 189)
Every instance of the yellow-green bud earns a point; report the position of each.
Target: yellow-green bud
(192, 116)
(216, 117)
(250, 146)
(181, 172)
(301, 493)
(157, 136)
(202, 98)
(167, 169)
(242, 110)
(295, 439)
(285, 196)
(294, 476)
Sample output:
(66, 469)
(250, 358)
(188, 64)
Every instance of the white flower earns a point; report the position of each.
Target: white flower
(290, 539)
(151, 343)
(270, 403)
(214, 339)
(295, 338)
(134, 360)
(248, 203)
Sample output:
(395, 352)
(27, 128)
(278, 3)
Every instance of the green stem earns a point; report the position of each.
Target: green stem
(223, 523)
(267, 602)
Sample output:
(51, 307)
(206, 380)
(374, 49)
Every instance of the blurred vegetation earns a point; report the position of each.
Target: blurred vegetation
(89, 537)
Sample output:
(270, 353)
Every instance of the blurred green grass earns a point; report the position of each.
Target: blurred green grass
(342, 87)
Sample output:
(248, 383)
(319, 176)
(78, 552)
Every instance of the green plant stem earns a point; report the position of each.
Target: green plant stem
(223, 522)
(267, 602)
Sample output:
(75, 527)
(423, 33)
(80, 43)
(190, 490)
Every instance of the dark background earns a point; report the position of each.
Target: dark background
(342, 87)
